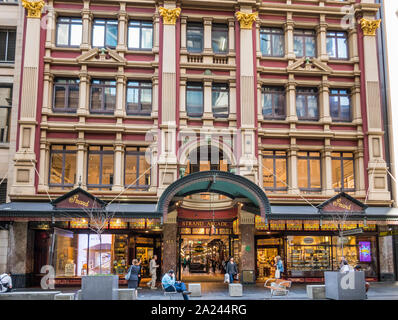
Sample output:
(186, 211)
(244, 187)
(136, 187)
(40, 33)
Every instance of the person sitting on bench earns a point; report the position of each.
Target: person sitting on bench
(170, 284)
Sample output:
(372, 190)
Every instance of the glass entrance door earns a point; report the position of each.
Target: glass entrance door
(266, 261)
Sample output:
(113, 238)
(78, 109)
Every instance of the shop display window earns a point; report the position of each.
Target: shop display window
(277, 226)
(260, 223)
(307, 253)
(311, 225)
(118, 224)
(153, 223)
(120, 254)
(294, 225)
(137, 224)
(64, 258)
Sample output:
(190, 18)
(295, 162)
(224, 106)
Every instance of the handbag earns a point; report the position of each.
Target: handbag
(277, 274)
(226, 278)
(128, 275)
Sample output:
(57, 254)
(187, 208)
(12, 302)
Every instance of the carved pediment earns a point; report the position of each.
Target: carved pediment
(342, 202)
(101, 56)
(309, 65)
(78, 199)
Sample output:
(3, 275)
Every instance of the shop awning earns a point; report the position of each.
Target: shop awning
(43, 210)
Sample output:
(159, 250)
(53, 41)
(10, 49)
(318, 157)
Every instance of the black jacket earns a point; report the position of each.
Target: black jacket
(134, 273)
(232, 268)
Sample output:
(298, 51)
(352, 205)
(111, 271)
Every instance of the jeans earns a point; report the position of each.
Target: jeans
(231, 278)
(180, 287)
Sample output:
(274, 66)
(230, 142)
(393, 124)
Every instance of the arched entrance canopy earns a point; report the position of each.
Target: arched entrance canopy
(221, 182)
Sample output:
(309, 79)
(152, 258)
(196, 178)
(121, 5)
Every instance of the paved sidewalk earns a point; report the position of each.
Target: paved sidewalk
(219, 291)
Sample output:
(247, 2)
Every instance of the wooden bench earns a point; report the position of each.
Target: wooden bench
(278, 286)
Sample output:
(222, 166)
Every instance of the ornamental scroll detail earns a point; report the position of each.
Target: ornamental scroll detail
(369, 27)
(33, 8)
(169, 15)
(246, 19)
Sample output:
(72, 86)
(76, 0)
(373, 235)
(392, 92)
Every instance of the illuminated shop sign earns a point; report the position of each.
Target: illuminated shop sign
(365, 254)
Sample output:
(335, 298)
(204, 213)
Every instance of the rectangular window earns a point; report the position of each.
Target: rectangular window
(140, 35)
(343, 171)
(273, 101)
(66, 95)
(304, 43)
(137, 169)
(275, 170)
(194, 99)
(105, 33)
(7, 45)
(307, 103)
(100, 167)
(219, 38)
(337, 45)
(103, 96)
(340, 104)
(194, 37)
(220, 100)
(5, 112)
(62, 166)
(309, 171)
(69, 32)
(139, 97)
(272, 42)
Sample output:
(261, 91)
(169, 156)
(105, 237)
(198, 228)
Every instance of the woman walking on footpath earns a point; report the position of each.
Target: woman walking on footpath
(134, 270)
(279, 267)
(231, 269)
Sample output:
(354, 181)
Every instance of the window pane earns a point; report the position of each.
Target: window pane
(146, 96)
(194, 38)
(146, 41)
(98, 36)
(279, 105)
(298, 46)
(265, 44)
(56, 168)
(59, 102)
(110, 98)
(220, 41)
(301, 106)
(268, 169)
(331, 47)
(73, 97)
(132, 99)
(131, 170)
(96, 98)
(11, 46)
(145, 173)
(302, 172)
(107, 169)
(280, 171)
(277, 44)
(310, 47)
(70, 168)
(111, 35)
(76, 35)
(312, 107)
(63, 34)
(315, 167)
(342, 48)
(220, 102)
(134, 37)
(3, 45)
(334, 106)
(267, 104)
(348, 176)
(345, 108)
(194, 102)
(336, 174)
(93, 169)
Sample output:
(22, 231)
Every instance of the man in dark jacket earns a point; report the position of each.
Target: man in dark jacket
(231, 269)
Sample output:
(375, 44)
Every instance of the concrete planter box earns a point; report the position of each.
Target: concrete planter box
(345, 286)
(100, 288)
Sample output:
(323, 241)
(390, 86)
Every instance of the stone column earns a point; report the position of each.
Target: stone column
(292, 168)
(327, 179)
(356, 102)
(44, 162)
(48, 85)
(291, 114)
(120, 94)
(169, 254)
(232, 102)
(321, 39)
(155, 89)
(359, 167)
(324, 108)
(184, 34)
(51, 23)
(377, 167)
(3, 250)
(83, 92)
(207, 22)
(86, 22)
(122, 28)
(156, 32)
(231, 35)
(118, 184)
(20, 252)
(80, 162)
(247, 230)
(183, 107)
(25, 157)
(207, 103)
(289, 44)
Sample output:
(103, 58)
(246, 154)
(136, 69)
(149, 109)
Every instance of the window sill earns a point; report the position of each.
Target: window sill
(284, 58)
(144, 52)
(7, 64)
(54, 47)
(4, 145)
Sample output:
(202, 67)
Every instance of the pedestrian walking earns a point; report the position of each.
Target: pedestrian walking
(231, 269)
(139, 274)
(170, 285)
(152, 271)
(278, 267)
(132, 275)
(345, 267)
(5, 282)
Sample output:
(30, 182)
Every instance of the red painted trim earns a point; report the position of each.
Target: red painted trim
(104, 8)
(343, 67)
(100, 136)
(223, 214)
(39, 102)
(69, 68)
(363, 104)
(21, 81)
(139, 70)
(62, 135)
(207, 13)
(304, 142)
(237, 51)
(275, 141)
(343, 143)
(195, 123)
(138, 121)
(94, 69)
(67, 6)
(133, 137)
(62, 119)
(221, 124)
(160, 92)
(272, 17)
(275, 125)
(304, 19)
(304, 78)
(139, 57)
(343, 128)
(178, 71)
(100, 120)
(309, 126)
(341, 79)
(143, 10)
(274, 76)
(275, 64)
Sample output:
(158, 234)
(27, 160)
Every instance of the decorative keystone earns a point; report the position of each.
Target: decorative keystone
(246, 19)
(33, 8)
(369, 27)
(169, 15)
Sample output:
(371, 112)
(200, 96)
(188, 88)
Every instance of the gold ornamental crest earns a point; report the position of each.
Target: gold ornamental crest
(246, 19)
(33, 7)
(369, 27)
(169, 15)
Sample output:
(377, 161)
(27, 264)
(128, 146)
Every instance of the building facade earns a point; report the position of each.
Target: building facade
(237, 129)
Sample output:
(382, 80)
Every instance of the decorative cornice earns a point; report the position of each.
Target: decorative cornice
(33, 8)
(369, 27)
(169, 15)
(246, 19)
